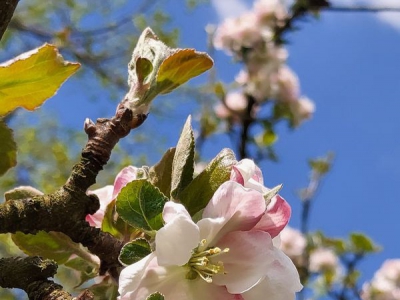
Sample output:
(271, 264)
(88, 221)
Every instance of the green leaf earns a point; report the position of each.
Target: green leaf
(22, 192)
(170, 67)
(337, 244)
(183, 164)
(104, 290)
(181, 66)
(134, 251)
(86, 270)
(199, 192)
(362, 244)
(161, 173)
(143, 69)
(219, 90)
(52, 245)
(31, 78)
(140, 204)
(8, 148)
(267, 138)
(115, 225)
(155, 296)
(322, 165)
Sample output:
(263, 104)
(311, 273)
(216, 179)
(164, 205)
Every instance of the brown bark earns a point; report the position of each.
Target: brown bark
(7, 8)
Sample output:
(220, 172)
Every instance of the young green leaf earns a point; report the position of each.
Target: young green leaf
(31, 78)
(183, 163)
(134, 251)
(115, 225)
(360, 243)
(8, 148)
(52, 245)
(22, 192)
(140, 204)
(199, 192)
(86, 270)
(161, 173)
(181, 66)
(106, 289)
(156, 69)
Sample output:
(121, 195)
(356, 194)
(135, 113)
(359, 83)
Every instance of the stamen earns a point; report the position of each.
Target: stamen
(201, 265)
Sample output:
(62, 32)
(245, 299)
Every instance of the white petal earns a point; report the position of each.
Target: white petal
(171, 282)
(277, 241)
(266, 287)
(284, 272)
(176, 240)
(281, 283)
(173, 210)
(131, 276)
(209, 229)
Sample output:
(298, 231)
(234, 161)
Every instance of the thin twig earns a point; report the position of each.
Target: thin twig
(361, 9)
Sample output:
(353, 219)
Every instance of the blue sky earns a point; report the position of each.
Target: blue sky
(349, 65)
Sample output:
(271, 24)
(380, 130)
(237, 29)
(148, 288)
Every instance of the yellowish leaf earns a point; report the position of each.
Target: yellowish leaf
(31, 78)
(181, 66)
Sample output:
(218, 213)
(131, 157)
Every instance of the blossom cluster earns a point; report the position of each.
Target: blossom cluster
(231, 252)
(386, 282)
(321, 259)
(250, 39)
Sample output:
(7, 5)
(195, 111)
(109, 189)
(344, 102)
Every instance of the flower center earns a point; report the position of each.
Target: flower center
(200, 263)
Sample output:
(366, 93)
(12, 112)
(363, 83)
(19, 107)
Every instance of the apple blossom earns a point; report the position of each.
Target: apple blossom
(278, 210)
(228, 254)
(386, 283)
(288, 83)
(293, 243)
(270, 12)
(323, 259)
(250, 38)
(236, 33)
(234, 105)
(109, 192)
(301, 110)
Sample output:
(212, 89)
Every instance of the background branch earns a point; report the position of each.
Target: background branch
(7, 8)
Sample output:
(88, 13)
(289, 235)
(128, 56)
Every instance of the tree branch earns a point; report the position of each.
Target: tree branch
(7, 8)
(30, 274)
(65, 210)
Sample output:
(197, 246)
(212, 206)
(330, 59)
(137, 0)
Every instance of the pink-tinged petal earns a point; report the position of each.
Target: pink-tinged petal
(176, 240)
(132, 275)
(125, 176)
(250, 254)
(276, 216)
(236, 176)
(172, 210)
(105, 197)
(249, 175)
(241, 208)
(246, 167)
(281, 281)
